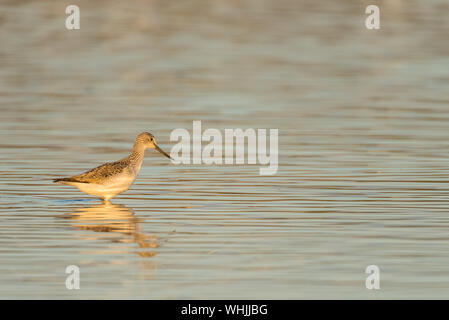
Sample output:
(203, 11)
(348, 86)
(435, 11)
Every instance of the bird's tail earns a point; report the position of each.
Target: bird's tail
(64, 180)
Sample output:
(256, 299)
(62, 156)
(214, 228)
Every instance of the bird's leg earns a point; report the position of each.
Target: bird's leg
(105, 200)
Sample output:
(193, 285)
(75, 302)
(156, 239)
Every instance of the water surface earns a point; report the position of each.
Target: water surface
(363, 120)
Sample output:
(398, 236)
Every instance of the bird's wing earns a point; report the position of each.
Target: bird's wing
(98, 174)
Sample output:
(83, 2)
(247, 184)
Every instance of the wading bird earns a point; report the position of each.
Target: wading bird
(110, 179)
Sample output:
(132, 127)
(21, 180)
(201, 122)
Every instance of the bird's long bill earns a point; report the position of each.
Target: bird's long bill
(163, 152)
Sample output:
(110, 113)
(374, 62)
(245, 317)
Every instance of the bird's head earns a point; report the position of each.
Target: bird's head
(147, 141)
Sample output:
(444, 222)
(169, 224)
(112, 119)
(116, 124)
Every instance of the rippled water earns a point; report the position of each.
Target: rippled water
(363, 120)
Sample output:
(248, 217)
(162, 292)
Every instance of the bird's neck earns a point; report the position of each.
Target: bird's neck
(136, 156)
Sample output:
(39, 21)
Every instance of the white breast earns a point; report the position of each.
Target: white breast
(109, 188)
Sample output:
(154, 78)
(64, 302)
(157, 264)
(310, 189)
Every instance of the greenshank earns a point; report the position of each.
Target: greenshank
(110, 179)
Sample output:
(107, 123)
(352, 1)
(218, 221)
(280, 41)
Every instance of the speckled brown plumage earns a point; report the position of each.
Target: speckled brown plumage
(112, 178)
(101, 173)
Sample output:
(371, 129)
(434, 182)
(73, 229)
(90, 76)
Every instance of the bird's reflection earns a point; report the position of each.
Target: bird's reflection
(114, 218)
